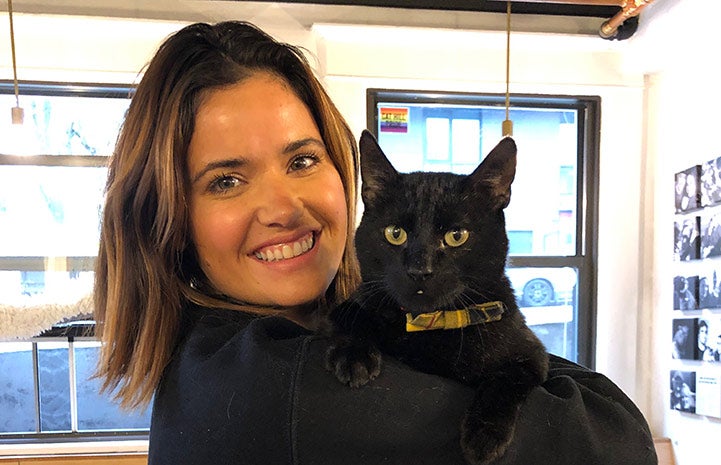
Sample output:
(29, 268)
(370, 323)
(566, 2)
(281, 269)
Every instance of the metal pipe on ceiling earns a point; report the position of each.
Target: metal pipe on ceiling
(609, 29)
(630, 9)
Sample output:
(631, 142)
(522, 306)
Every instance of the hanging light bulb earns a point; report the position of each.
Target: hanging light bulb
(17, 113)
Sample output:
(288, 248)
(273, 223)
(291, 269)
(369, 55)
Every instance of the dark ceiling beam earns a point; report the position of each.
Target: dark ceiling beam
(584, 8)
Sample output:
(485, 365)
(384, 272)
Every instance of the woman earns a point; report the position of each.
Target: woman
(227, 230)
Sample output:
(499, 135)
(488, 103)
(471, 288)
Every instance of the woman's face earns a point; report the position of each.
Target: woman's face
(268, 211)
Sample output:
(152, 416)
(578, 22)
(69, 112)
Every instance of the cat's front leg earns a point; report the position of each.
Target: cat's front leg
(353, 361)
(490, 422)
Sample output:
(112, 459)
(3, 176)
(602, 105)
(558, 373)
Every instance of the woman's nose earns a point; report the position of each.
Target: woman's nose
(279, 204)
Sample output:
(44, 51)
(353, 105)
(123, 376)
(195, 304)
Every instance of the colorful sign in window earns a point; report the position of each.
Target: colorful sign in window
(394, 119)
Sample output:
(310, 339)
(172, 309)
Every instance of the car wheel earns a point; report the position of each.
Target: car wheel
(537, 293)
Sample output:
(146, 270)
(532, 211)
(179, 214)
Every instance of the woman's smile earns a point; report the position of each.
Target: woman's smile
(286, 250)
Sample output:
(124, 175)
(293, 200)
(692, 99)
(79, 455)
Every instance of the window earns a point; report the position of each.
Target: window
(551, 218)
(52, 177)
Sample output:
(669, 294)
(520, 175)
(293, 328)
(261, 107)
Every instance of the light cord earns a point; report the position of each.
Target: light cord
(508, 56)
(12, 48)
(507, 126)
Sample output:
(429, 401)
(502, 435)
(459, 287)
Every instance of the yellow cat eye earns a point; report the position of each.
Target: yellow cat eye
(456, 237)
(395, 235)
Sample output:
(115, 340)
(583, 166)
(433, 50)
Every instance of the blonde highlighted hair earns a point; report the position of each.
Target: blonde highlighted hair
(147, 271)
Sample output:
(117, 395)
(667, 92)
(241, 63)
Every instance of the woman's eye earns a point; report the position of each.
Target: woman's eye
(223, 183)
(456, 237)
(395, 235)
(303, 162)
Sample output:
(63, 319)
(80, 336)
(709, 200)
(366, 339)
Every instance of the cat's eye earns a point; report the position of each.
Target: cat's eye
(456, 237)
(395, 234)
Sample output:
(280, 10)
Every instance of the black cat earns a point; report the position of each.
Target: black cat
(432, 249)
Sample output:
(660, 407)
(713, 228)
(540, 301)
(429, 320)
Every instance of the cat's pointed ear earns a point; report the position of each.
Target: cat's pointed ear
(495, 174)
(376, 170)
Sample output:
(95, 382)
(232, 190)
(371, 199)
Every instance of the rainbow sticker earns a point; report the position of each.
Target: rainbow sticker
(394, 119)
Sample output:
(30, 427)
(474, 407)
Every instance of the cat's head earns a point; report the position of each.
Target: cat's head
(435, 240)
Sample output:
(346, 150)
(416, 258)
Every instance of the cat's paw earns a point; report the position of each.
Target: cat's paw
(483, 441)
(352, 361)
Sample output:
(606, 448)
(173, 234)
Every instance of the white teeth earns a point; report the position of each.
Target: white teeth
(286, 250)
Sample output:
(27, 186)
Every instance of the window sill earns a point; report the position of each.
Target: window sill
(74, 448)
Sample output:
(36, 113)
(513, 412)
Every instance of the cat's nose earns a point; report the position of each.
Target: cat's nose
(420, 273)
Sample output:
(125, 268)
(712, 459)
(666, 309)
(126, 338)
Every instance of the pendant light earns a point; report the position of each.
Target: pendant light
(507, 126)
(17, 113)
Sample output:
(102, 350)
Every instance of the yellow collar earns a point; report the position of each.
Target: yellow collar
(455, 319)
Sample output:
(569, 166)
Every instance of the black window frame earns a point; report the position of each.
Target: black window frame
(585, 259)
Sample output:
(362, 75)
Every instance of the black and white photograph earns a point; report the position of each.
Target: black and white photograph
(709, 288)
(683, 391)
(711, 236)
(683, 339)
(687, 189)
(686, 239)
(708, 339)
(711, 182)
(685, 292)
(708, 393)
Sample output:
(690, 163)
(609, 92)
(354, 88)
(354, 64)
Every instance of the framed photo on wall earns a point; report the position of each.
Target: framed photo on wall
(708, 339)
(683, 341)
(688, 194)
(686, 239)
(683, 391)
(711, 236)
(685, 292)
(711, 182)
(709, 289)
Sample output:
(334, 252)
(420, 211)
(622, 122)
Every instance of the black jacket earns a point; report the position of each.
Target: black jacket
(244, 390)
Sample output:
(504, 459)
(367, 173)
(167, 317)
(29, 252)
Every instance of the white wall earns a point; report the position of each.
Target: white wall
(675, 47)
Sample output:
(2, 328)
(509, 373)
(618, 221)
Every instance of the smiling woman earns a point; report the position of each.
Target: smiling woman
(230, 149)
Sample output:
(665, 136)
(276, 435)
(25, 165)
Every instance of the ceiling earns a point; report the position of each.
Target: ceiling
(555, 16)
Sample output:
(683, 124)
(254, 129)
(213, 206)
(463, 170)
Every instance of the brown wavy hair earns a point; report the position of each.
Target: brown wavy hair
(147, 271)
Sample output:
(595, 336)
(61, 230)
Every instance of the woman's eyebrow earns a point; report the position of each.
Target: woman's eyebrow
(227, 163)
(300, 143)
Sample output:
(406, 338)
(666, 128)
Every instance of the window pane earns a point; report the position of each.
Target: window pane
(54, 378)
(437, 137)
(50, 211)
(466, 142)
(17, 401)
(96, 411)
(542, 215)
(63, 125)
(547, 298)
(544, 190)
(28, 287)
